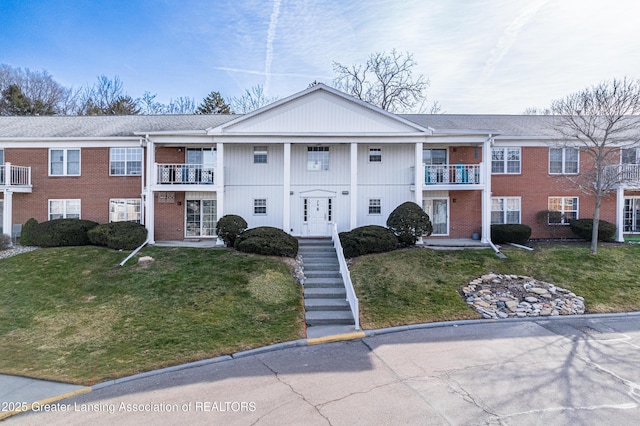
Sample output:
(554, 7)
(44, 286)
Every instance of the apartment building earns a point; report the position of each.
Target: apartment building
(301, 164)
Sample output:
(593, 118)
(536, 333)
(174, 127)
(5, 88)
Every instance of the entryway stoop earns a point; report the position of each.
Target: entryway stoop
(327, 310)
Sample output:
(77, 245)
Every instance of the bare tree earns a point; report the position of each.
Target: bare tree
(387, 81)
(600, 121)
(252, 99)
(106, 97)
(537, 111)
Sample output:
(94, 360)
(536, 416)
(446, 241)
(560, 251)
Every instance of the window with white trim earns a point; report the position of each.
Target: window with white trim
(630, 156)
(64, 162)
(505, 160)
(125, 161)
(1, 156)
(64, 209)
(125, 210)
(259, 155)
(375, 206)
(505, 210)
(566, 208)
(260, 206)
(563, 161)
(375, 155)
(318, 158)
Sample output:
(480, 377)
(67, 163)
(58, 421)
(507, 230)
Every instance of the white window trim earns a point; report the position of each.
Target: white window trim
(266, 204)
(125, 200)
(504, 211)
(126, 162)
(321, 148)
(261, 151)
(65, 161)
(369, 207)
(448, 213)
(369, 149)
(563, 221)
(65, 201)
(564, 162)
(505, 160)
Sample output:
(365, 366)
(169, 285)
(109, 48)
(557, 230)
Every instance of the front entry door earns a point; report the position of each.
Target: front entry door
(317, 216)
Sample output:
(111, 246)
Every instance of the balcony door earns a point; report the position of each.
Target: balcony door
(435, 162)
(201, 217)
(202, 162)
(438, 211)
(632, 215)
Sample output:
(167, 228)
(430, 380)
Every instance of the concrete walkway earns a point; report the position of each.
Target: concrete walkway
(555, 371)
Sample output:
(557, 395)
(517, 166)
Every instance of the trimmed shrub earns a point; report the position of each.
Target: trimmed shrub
(5, 241)
(267, 241)
(29, 229)
(510, 233)
(61, 232)
(408, 222)
(584, 227)
(229, 227)
(118, 235)
(367, 239)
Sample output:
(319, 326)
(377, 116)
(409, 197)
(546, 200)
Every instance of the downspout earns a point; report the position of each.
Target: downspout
(486, 213)
(143, 195)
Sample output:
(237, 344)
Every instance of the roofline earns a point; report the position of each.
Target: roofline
(69, 138)
(315, 88)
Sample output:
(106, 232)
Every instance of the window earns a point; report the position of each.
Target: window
(567, 208)
(375, 155)
(2, 157)
(318, 158)
(505, 160)
(1, 168)
(434, 156)
(201, 156)
(125, 210)
(64, 209)
(125, 161)
(259, 155)
(563, 161)
(629, 156)
(260, 206)
(201, 218)
(375, 207)
(438, 211)
(505, 210)
(64, 162)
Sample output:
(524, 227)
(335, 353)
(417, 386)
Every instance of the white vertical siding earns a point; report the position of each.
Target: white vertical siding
(239, 200)
(240, 169)
(338, 173)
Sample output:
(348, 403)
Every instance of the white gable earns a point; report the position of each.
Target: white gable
(319, 110)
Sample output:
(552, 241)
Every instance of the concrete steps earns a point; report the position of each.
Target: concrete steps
(325, 301)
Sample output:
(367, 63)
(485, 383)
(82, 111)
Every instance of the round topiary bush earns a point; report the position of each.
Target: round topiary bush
(510, 233)
(229, 227)
(366, 240)
(118, 235)
(408, 222)
(584, 227)
(268, 241)
(62, 232)
(28, 234)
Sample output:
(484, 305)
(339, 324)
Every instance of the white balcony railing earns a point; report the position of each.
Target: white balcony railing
(185, 174)
(445, 174)
(15, 175)
(623, 173)
(346, 277)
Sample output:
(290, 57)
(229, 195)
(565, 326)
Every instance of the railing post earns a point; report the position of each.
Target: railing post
(7, 173)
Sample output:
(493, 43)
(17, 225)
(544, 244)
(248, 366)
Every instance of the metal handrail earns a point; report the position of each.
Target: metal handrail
(346, 277)
(452, 174)
(185, 174)
(15, 175)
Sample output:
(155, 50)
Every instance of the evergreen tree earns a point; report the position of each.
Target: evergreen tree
(213, 104)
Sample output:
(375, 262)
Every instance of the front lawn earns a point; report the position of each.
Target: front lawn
(74, 315)
(421, 285)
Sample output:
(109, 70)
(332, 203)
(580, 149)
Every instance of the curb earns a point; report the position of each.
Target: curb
(309, 342)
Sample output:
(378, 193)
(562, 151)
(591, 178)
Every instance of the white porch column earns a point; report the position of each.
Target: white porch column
(620, 214)
(219, 180)
(485, 171)
(418, 174)
(149, 199)
(353, 190)
(7, 213)
(286, 190)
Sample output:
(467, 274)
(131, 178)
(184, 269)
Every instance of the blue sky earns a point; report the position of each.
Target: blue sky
(484, 56)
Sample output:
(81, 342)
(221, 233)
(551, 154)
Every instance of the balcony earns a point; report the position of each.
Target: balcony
(627, 175)
(16, 178)
(184, 174)
(453, 175)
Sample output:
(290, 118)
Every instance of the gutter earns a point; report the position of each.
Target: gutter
(133, 253)
(498, 252)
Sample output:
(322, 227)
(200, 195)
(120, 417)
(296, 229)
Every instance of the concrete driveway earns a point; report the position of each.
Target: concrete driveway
(552, 372)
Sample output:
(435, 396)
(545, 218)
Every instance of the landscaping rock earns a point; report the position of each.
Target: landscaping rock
(145, 260)
(496, 296)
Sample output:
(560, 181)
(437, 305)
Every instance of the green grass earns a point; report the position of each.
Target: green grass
(74, 315)
(421, 285)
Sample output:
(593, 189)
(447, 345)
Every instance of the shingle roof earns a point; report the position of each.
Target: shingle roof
(113, 126)
(504, 125)
(104, 126)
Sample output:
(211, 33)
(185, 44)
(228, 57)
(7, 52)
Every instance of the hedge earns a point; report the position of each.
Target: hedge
(510, 233)
(118, 235)
(366, 240)
(57, 232)
(268, 241)
(584, 227)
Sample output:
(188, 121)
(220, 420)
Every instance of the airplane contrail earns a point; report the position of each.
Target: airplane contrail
(271, 34)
